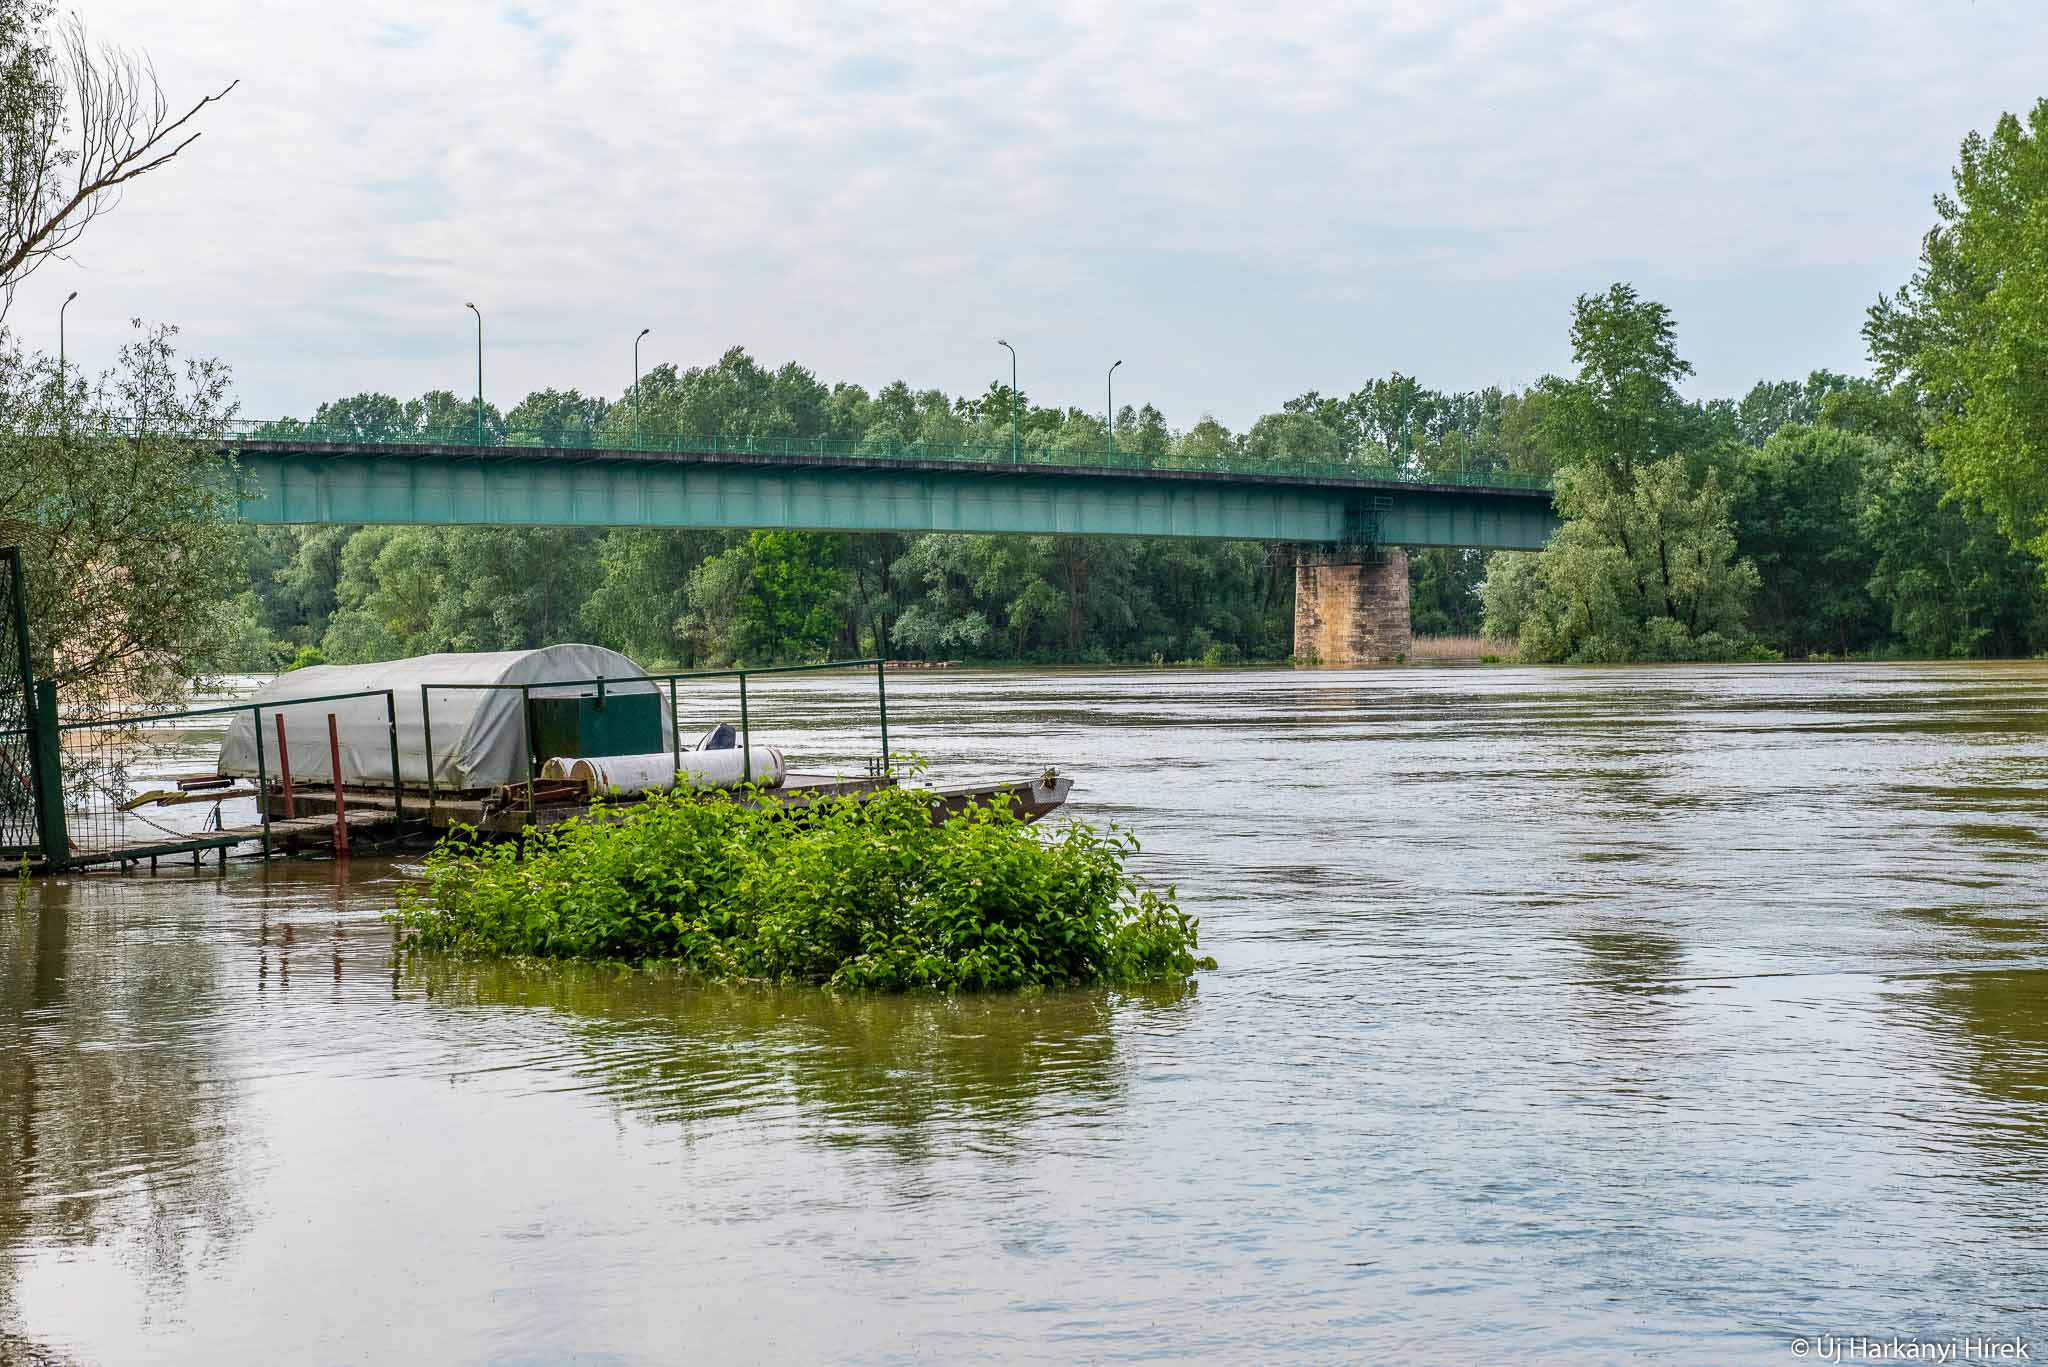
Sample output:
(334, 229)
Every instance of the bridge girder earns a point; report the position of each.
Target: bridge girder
(286, 483)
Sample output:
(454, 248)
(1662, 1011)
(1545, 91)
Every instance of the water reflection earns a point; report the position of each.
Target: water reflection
(118, 1122)
(1595, 1015)
(1631, 959)
(1998, 1021)
(908, 1075)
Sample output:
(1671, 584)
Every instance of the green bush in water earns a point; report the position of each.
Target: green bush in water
(869, 896)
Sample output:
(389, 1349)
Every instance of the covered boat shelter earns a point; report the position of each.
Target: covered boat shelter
(473, 703)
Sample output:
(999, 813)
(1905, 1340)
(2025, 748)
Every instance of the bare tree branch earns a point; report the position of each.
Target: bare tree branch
(76, 124)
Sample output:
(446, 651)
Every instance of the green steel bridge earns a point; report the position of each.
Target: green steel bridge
(304, 473)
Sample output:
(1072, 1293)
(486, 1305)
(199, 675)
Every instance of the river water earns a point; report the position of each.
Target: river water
(1561, 1016)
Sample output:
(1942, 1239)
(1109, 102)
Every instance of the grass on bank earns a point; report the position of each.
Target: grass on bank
(866, 896)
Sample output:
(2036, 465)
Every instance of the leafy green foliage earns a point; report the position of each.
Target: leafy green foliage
(1968, 335)
(134, 559)
(867, 896)
(417, 590)
(1642, 570)
(1795, 504)
(1950, 584)
(1644, 567)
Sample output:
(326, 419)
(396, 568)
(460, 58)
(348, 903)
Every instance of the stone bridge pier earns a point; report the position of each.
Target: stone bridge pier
(1351, 606)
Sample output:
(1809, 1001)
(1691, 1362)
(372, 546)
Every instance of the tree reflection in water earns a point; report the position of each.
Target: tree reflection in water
(914, 1075)
(117, 1123)
(1999, 1020)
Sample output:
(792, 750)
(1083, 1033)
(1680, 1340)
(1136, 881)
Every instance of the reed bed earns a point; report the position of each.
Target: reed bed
(1472, 648)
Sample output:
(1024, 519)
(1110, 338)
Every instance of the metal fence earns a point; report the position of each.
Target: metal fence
(23, 785)
(146, 785)
(111, 762)
(1315, 466)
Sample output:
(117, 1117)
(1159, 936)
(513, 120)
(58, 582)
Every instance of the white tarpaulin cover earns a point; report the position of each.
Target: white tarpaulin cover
(477, 731)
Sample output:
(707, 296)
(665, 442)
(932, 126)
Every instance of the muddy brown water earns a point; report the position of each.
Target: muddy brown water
(1562, 1016)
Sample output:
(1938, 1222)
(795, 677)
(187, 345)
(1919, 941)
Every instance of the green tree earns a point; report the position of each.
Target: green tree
(1644, 567)
(1443, 591)
(1968, 334)
(556, 417)
(1623, 409)
(787, 608)
(1795, 507)
(133, 555)
(1642, 570)
(1948, 580)
(1770, 405)
(1293, 439)
(641, 604)
(364, 417)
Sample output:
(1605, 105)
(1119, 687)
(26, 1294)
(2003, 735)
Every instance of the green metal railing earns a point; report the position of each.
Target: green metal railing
(869, 448)
(99, 750)
(529, 761)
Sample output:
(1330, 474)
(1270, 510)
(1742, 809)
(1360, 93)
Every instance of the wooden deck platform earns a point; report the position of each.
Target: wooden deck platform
(505, 813)
(382, 819)
(301, 835)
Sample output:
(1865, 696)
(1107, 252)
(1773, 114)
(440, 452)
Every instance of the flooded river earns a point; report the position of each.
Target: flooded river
(1562, 1016)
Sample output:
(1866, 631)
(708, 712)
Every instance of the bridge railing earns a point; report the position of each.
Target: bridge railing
(872, 448)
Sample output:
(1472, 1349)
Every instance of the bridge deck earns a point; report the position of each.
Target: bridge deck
(293, 480)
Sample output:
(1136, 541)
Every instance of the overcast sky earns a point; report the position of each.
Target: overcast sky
(1241, 203)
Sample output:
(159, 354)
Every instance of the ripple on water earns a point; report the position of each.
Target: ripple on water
(1562, 1015)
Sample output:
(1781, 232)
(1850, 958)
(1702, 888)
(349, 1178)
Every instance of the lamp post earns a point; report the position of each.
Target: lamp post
(636, 385)
(479, 371)
(1109, 388)
(60, 334)
(63, 398)
(1016, 446)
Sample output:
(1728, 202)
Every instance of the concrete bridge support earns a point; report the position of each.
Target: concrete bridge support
(1351, 607)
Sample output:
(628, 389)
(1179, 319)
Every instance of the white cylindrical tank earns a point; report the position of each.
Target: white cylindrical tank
(557, 767)
(631, 774)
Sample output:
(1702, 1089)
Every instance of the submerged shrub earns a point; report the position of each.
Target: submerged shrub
(866, 895)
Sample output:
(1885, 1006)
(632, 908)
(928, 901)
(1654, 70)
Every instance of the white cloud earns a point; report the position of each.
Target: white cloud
(1243, 202)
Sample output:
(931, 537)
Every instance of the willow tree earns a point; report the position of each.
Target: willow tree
(117, 493)
(1644, 567)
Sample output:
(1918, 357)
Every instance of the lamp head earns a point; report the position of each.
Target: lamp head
(69, 297)
(643, 333)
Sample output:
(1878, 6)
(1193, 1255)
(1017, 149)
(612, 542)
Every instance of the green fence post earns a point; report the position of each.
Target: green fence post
(48, 755)
(427, 739)
(397, 779)
(746, 736)
(675, 722)
(882, 702)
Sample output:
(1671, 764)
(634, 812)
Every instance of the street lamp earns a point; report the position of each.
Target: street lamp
(1015, 444)
(63, 399)
(1109, 387)
(60, 334)
(636, 385)
(479, 371)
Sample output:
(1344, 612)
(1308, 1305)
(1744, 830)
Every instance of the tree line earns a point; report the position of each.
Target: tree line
(1807, 518)
(710, 597)
(1904, 513)
(1900, 514)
